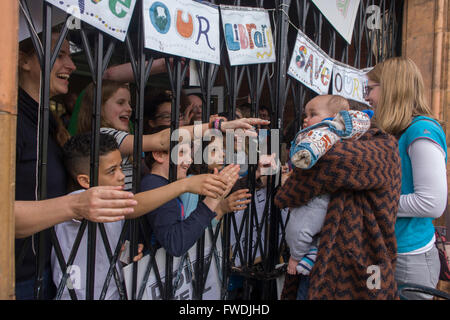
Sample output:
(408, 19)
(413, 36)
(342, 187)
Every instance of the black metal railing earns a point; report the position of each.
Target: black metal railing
(258, 235)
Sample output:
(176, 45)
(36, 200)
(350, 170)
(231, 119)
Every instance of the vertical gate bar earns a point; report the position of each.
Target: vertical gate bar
(44, 113)
(137, 144)
(95, 138)
(280, 88)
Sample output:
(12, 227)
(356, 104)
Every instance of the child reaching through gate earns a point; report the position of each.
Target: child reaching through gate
(116, 113)
(316, 138)
(77, 154)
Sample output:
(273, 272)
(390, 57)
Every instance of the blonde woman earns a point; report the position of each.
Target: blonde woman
(395, 89)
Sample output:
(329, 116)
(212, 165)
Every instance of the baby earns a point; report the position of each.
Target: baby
(328, 119)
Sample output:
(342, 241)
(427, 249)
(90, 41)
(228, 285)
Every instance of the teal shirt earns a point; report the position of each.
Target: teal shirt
(415, 233)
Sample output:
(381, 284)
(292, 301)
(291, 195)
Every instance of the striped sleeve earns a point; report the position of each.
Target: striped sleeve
(117, 134)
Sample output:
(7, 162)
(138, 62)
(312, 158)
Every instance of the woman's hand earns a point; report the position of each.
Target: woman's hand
(209, 185)
(103, 204)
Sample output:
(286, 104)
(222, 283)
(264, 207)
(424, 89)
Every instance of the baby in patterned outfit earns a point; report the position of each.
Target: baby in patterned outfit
(328, 119)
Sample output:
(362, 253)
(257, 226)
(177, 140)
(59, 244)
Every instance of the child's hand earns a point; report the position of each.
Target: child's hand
(140, 254)
(267, 165)
(245, 123)
(292, 266)
(237, 201)
(230, 173)
(210, 185)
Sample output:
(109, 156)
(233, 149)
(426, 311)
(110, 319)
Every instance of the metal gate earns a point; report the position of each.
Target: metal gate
(252, 248)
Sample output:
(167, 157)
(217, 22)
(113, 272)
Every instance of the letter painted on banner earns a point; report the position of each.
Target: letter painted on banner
(248, 36)
(184, 28)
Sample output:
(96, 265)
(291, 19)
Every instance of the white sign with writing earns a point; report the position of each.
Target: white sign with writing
(183, 273)
(110, 16)
(341, 14)
(184, 28)
(248, 35)
(311, 65)
(349, 82)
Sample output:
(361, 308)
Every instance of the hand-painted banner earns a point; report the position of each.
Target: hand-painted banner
(110, 16)
(349, 82)
(248, 35)
(341, 14)
(310, 65)
(182, 272)
(184, 28)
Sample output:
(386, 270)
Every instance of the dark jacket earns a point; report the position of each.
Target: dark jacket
(357, 241)
(171, 229)
(26, 159)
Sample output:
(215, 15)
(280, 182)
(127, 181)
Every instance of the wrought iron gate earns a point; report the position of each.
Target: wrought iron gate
(254, 247)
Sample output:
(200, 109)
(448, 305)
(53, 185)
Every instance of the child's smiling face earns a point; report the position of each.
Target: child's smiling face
(117, 110)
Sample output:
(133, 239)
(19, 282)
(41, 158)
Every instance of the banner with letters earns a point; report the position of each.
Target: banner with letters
(183, 273)
(311, 65)
(248, 35)
(341, 14)
(183, 28)
(349, 82)
(110, 16)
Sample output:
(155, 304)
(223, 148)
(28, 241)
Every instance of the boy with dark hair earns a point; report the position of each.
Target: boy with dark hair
(77, 161)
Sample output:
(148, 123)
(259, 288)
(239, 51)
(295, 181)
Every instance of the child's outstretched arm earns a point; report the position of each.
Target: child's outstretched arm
(124, 72)
(160, 141)
(210, 185)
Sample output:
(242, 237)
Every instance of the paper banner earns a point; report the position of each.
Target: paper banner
(248, 35)
(310, 65)
(349, 82)
(184, 28)
(110, 16)
(184, 273)
(341, 14)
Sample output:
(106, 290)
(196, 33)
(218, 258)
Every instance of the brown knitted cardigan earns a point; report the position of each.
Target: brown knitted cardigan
(363, 178)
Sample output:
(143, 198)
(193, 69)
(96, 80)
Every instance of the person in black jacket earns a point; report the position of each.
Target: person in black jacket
(99, 204)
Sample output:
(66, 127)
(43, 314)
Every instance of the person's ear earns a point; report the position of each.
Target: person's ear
(24, 61)
(83, 181)
(159, 156)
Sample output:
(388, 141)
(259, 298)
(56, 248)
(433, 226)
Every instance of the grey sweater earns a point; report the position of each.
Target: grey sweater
(304, 225)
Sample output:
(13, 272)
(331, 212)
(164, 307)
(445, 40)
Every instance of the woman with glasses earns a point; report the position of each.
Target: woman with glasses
(395, 89)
